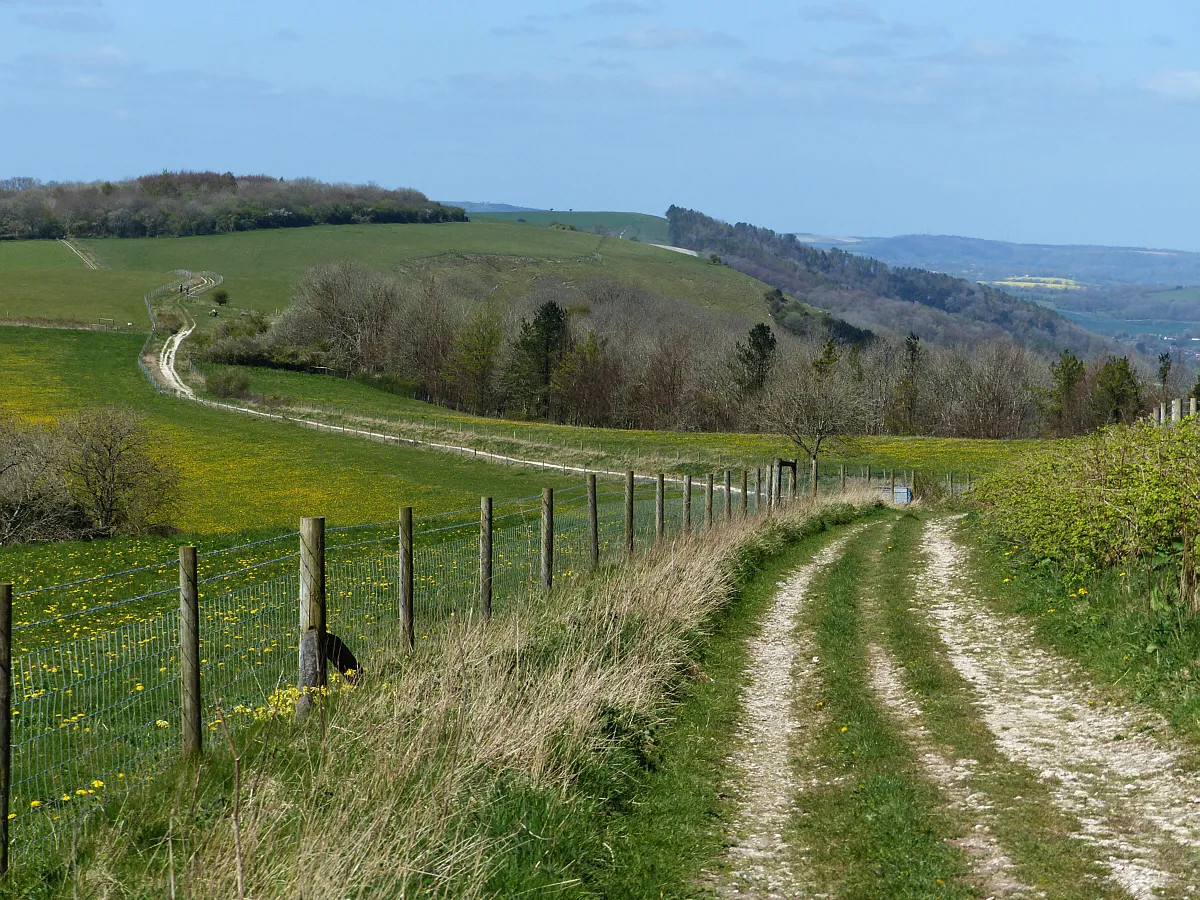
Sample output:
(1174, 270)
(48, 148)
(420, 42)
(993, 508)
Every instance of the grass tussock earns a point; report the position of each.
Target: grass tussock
(470, 768)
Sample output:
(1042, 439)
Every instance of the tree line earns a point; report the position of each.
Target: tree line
(869, 294)
(175, 204)
(606, 352)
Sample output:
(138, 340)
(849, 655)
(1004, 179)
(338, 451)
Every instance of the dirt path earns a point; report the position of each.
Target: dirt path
(990, 864)
(1115, 769)
(765, 784)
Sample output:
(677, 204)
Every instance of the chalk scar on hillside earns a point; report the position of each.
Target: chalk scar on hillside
(1130, 790)
(765, 784)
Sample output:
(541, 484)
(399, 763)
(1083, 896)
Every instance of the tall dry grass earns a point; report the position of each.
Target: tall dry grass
(384, 792)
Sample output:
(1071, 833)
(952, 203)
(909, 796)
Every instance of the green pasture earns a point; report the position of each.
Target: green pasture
(350, 402)
(630, 226)
(485, 258)
(44, 280)
(237, 474)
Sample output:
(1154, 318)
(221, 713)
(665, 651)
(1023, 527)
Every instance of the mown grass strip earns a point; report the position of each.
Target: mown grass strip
(873, 825)
(1024, 818)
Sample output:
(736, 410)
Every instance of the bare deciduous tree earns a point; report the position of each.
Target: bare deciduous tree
(113, 472)
(814, 402)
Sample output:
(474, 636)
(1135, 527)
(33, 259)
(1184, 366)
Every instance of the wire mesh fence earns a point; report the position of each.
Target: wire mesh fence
(100, 713)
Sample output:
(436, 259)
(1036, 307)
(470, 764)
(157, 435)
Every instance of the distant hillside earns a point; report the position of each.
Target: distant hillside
(627, 225)
(870, 294)
(981, 260)
(182, 204)
(472, 206)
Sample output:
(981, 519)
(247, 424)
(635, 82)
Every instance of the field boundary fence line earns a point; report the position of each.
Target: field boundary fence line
(96, 714)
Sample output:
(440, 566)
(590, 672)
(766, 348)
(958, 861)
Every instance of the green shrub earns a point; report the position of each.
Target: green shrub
(228, 383)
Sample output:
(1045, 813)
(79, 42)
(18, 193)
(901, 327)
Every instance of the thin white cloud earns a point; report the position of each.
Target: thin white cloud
(659, 37)
(851, 12)
(518, 31)
(1031, 51)
(1175, 84)
(67, 20)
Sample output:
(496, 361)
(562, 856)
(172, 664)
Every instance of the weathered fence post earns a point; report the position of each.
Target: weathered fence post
(660, 509)
(189, 652)
(745, 493)
(1176, 410)
(485, 558)
(708, 501)
(687, 504)
(728, 495)
(815, 476)
(1191, 406)
(842, 476)
(951, 485)
(593, 521)
(407, 625)
(629, 513)
(547, 538)
(6, 592)
(758, 490)
(868, 476)
(312, 611)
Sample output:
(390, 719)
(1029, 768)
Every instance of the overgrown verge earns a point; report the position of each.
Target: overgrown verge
(1102, 621)
(517, 757)
(1097, 540)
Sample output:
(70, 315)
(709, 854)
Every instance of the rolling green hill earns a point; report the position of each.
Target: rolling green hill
(631, 226)
(498, 259)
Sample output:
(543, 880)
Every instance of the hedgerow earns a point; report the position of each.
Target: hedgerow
(1127, 495)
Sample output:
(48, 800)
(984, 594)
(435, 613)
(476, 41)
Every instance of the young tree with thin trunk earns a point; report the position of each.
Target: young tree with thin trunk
(815, 402)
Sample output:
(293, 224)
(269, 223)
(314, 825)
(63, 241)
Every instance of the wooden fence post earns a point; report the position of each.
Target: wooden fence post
(593, 521)
(842, 476)
(728, 500)
(687, 504)
(708, 501)
(547, 538)
(1191, 406)
(6, 592)
(868, 475)
(951, 485)
(629, 513)
(745, 493)
(660, 509)
(485, 558)
(758, 490)
(408, 631)
(816, 475)
(189, 653)
(892, 478)
(312, 611)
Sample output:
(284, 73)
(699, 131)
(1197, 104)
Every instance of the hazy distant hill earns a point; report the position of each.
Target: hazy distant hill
(472, 206)
(870, 294)
(982, 260)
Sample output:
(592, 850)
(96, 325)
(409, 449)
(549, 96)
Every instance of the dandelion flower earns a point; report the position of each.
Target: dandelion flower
(34, 804)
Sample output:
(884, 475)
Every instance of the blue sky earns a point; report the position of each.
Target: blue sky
(1064, 122)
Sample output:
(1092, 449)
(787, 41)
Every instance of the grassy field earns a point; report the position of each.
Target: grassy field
(484, 259)
(45, 280)
(651, 229)
(338, 399)
(236, 474)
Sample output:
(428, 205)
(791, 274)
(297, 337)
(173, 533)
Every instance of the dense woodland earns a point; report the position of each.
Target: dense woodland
(174, 204)
(605, 352)
(871, 295)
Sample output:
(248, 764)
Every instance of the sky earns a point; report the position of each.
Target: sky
(1054, 121)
